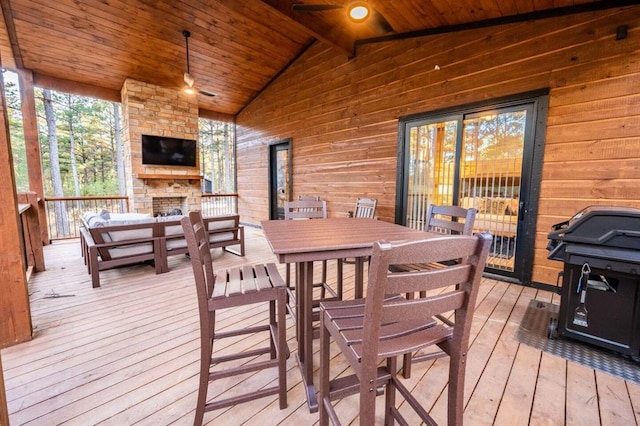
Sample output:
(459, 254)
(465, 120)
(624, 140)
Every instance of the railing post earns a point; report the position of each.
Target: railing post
(31, 229)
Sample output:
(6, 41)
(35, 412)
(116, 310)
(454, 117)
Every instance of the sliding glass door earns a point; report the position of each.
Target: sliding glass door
(478, 158)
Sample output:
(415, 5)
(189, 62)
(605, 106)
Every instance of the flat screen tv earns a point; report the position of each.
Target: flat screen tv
(165, 151)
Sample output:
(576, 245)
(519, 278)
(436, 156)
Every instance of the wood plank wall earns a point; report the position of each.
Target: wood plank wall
(342, 114)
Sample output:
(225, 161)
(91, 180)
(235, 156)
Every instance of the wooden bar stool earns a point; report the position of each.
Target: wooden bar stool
(227, 289)
(447, 220)
(397, 326)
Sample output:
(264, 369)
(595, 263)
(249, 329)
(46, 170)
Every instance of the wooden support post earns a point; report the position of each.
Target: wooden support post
(32, 147)
(15, 314)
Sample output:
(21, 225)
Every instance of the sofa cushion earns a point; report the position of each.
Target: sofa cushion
(130, 234)
(222, 224)
(131, 250)
(176, 243)
(130, 217)
(225, 236)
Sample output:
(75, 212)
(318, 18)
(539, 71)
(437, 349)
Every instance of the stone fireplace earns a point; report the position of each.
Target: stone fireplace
(152, 110)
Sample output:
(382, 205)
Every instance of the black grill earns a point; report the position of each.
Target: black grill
(600, 304)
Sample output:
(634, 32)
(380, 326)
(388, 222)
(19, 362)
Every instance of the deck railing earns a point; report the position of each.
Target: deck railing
(219, 204)
(63, 213)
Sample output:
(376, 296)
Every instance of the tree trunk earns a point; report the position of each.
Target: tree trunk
(212, 146)
(122, 184)
(227, 149)
(72, 148)
(62, 222)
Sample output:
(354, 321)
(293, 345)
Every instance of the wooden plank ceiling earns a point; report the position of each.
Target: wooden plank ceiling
(236, 47)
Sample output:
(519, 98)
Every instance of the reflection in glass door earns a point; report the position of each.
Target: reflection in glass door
(432, 149)
(473, 159)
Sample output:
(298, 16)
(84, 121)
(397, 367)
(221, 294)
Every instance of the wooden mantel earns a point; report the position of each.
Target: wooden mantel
(167, 176)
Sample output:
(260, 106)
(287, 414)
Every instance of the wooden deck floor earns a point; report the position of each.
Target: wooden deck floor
(127, 353)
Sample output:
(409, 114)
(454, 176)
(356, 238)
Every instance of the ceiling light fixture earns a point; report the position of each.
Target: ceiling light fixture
(358, 11)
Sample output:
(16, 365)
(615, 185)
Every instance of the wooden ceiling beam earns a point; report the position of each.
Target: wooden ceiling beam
(335, 35)
(217, 116)
(68, 86)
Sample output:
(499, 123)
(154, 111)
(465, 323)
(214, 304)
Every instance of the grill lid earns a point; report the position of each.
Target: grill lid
(603, 226)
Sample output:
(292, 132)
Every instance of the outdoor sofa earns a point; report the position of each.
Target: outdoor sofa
(110, 240)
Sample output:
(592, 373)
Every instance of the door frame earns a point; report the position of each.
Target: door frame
(531, 171)
(274, 148)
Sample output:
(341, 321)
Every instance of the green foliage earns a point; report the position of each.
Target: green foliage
(99, 188)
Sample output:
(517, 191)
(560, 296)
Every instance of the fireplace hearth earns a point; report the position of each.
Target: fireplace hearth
(169, 206)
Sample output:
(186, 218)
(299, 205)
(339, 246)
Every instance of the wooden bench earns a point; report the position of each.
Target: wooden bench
(111, 243)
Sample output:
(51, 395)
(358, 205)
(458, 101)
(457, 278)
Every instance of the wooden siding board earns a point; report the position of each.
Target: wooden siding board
(596, 169)
(600, 109)
(608, 189)
(580, 151)
(619, 127)
(612, 87)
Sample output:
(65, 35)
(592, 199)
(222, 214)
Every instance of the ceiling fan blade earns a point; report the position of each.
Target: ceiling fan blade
(188, 79)
(299, 7)
(205, 93)
(380, 22)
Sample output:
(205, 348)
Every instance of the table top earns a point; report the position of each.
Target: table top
(319, 239)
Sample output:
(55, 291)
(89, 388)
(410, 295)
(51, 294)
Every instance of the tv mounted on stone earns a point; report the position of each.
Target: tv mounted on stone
(165, 151)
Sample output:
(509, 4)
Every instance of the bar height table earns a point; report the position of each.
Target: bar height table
(304, 241)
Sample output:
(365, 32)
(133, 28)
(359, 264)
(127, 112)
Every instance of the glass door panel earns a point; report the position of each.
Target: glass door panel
(280, 178)
(490, 178)
(431, 168)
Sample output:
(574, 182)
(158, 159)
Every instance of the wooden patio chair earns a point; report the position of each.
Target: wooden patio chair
(312, 211)
(309, 208)
(448, 220)
(398, 326)
(365, 208)
(227, 289)
(453, 220)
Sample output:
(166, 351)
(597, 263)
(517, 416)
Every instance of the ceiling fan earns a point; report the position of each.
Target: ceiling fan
(357, 11)
(188, 78)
